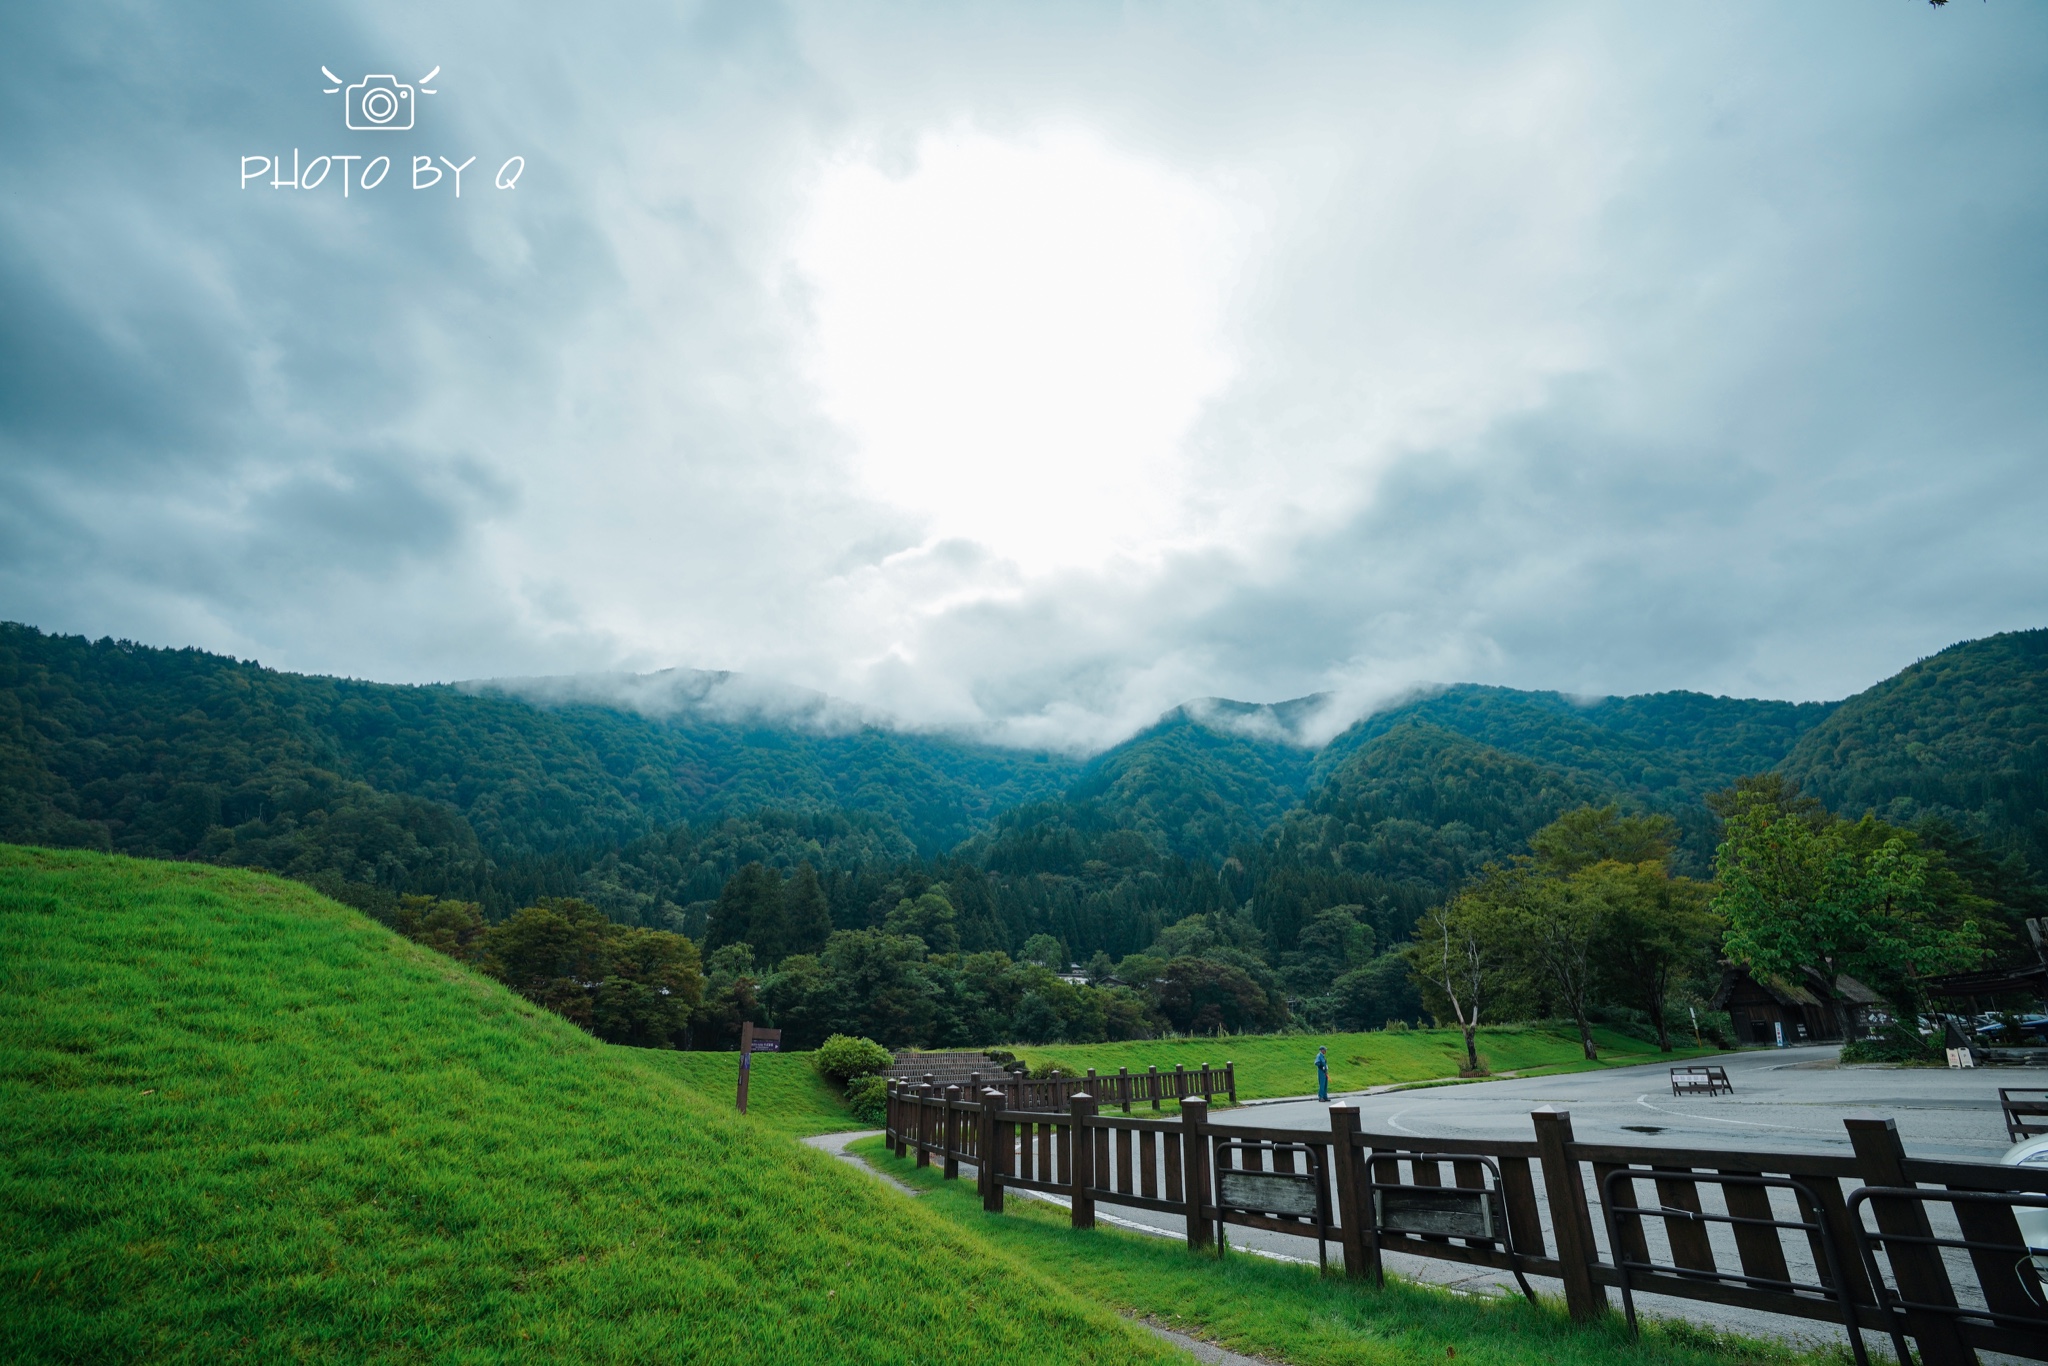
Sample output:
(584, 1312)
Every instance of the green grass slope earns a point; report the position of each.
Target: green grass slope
(241, 1123)
(785, 1095)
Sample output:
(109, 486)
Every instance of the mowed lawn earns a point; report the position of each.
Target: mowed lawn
(1291, 1313)
(1271, 1065)
(785, 1094)
(240, 1123)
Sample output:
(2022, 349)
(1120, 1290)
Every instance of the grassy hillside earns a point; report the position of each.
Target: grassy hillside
(1284, 1065)
(785, 1095)
(241, 1123)
(1962, 735)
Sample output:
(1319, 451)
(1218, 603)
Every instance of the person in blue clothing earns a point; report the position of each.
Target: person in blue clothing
(1322, 1074)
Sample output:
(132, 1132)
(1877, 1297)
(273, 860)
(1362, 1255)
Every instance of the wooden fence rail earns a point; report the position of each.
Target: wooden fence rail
(1122, 1088)
(1780, 1233)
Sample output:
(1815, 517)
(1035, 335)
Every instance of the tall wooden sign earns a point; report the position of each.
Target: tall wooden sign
(754, 1041)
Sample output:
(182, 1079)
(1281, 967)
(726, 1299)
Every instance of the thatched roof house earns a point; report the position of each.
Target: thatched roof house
(1759, 1009)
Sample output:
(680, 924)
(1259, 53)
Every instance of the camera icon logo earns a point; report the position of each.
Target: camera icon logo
(379, 104)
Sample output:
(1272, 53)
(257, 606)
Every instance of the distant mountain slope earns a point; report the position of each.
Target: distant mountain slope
(1398, 825)
(1961, 735)
(179, 753)
(1668, 747)
(1205, 778)
(1665, 751)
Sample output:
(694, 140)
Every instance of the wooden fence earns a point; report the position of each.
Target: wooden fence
(1122, 1088)
(1875, 1241)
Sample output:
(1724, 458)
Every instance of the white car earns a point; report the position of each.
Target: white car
(2032, 1152)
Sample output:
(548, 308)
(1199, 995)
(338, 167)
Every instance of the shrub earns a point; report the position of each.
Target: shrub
(867, 1098)
(1894, 1045)
(844, 1058)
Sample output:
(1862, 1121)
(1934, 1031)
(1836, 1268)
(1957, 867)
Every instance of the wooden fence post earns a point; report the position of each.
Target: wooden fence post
(1230, 1079)
(1354, 1197)
(1569, 1216)
(1152, 1083)
(1917, 1270)
(1081, 1161)
(746, 1059)
(951, 1132)
(993, 1159)
(1194, 1138)
(889, 1114)
(924, 1138)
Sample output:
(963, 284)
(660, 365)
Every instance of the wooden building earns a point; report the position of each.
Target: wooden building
(1758, 1008)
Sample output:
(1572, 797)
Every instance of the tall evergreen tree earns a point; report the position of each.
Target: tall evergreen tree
(749, 911)
(807, 915)
(767, 918)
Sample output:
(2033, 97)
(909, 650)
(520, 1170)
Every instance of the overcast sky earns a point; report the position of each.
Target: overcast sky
(1032, 367)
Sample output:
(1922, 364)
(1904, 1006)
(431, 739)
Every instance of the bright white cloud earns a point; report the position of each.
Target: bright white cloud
(1021, 334)
(1040, 368)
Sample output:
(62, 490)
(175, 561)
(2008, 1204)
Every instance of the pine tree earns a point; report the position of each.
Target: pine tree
(807, 916)
(749, 911)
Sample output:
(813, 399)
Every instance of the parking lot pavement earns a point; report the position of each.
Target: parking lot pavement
(1790, 1098)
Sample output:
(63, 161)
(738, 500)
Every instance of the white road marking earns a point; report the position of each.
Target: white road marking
(1644, 1101)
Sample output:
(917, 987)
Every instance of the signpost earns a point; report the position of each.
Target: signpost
(1302, 1197)
(754, 1041)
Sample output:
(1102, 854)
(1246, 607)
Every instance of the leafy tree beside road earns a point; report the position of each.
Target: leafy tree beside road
(1591, 915)
(1810, 897)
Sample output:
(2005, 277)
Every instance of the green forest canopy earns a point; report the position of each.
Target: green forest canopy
(372, 791)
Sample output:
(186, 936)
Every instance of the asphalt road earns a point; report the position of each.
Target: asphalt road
(1792, 1098)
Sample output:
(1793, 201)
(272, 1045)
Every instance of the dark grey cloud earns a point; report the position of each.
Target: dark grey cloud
(1581, 346)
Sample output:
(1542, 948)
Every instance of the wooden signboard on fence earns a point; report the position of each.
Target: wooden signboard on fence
(754, 1041)
(1439, 1210)
(1284, 1193)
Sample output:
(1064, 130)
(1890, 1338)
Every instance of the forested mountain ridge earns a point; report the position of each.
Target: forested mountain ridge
(642, 797)
(1196, 787)
(1397, 826)
(1960, 736)
(181, 753)
(1670, 747)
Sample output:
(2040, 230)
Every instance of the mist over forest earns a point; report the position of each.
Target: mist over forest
(1212, 871)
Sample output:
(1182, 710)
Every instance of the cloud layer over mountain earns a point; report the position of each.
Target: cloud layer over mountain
(1034, 368)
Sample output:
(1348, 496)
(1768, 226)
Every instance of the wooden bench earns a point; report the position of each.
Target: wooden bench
(1709, 1079)
(2026, 1112)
